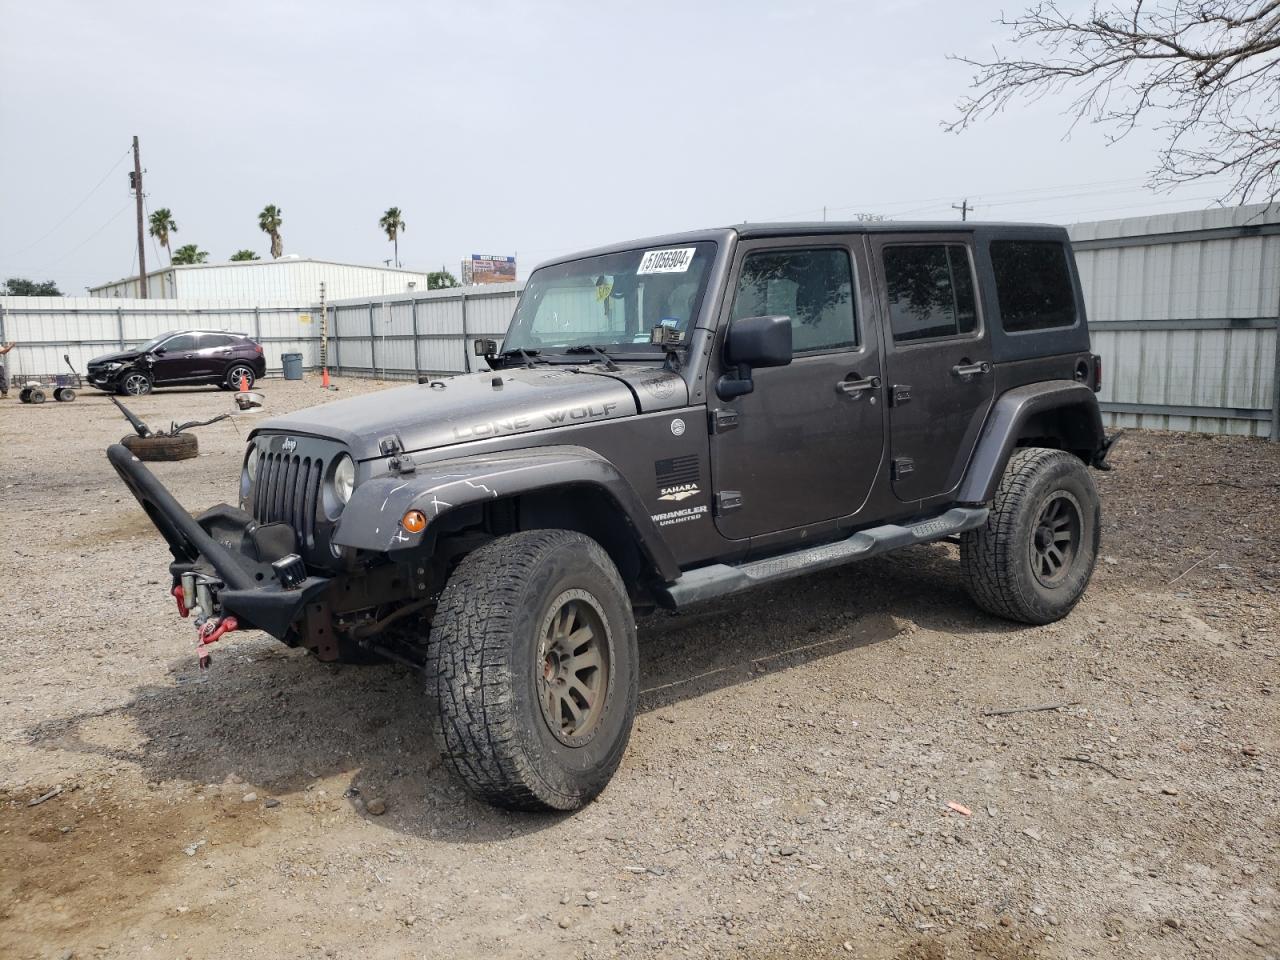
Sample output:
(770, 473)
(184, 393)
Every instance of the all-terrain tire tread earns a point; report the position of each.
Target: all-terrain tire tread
(988, 554)
(470, 674)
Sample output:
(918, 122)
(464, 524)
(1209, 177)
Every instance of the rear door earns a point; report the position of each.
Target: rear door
(215, 353)
(805, 445)
(938, 359)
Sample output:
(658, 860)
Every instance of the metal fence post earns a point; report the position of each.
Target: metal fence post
(1275, 390)
(373, 347)
(120, 326)
(417, 362)
(466, 347)
(257, 325)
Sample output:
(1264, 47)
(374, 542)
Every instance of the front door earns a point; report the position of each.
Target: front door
(805, 445)
(939, 377)
(176, 360)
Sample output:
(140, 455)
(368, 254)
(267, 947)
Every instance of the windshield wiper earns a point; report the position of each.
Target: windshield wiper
(598, 351)
(527, 357)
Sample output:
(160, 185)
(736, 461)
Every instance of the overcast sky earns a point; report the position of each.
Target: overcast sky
(532, 128)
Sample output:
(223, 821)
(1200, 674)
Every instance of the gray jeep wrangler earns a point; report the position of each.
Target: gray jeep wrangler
(667, 421)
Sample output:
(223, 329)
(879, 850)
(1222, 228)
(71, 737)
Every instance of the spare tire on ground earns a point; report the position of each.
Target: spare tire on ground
(182, 447)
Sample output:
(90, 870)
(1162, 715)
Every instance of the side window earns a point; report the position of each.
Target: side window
(210, 340)
(184, 341)
(930, 291)
(812, 287)
(1033, 285)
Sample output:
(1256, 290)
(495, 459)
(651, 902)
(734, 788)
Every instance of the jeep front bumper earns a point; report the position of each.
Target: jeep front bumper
(224, 557)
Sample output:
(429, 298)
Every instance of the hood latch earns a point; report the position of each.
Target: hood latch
(400, 461)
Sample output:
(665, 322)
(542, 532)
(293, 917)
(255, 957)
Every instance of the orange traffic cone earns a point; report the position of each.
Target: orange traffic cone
(324, 377)
(244, 383)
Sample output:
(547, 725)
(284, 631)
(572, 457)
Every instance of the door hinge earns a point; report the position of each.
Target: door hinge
(723, 420)
(727, 501)
(902, 466)
(900, 394)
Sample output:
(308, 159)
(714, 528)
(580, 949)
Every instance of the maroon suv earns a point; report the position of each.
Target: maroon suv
(181, 358)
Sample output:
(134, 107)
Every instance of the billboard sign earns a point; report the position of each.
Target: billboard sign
(487, 268)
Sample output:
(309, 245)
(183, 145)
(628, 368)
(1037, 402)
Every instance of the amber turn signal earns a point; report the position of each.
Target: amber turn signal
(415, 521)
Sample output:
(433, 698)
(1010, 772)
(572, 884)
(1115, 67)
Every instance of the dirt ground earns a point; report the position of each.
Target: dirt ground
(786, 793)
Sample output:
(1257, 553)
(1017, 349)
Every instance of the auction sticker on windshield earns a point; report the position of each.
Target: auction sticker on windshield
(666, 261)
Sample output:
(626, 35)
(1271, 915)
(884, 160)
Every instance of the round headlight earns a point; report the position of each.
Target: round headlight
(344, 478)
(251, 464)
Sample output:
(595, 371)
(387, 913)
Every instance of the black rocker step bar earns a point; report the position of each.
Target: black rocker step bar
(721, 579)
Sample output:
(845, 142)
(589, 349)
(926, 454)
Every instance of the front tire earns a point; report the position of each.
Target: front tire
(136, 384)
(1033, 558)
(533, 665)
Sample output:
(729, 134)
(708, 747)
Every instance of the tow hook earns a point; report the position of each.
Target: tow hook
(179, 596)
(211, 633)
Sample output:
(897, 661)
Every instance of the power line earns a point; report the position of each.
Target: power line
(64, 256)
(54, 228)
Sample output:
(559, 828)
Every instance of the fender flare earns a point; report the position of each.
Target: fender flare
(1011, 412)
(371, 521)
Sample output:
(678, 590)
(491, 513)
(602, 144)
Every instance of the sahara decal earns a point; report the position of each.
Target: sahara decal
(551, 418)
(678, 477)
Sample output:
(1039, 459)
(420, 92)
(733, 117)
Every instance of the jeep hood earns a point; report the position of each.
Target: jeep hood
(477, 406)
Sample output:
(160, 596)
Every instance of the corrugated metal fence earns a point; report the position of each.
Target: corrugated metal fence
(408, 335)
(1184, 309)
(45, 328)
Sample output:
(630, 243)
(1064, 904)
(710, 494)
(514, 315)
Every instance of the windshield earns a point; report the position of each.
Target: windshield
(612, 301)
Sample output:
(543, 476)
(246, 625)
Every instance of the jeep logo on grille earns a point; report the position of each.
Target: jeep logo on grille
(289, 445)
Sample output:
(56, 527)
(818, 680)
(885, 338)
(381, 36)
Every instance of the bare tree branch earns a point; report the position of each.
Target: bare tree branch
(1206, 73)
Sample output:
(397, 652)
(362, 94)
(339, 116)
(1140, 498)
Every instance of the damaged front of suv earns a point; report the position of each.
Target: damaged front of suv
(352, 514)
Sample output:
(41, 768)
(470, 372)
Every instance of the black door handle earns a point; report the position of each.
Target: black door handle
(856, 388)
(971, 369)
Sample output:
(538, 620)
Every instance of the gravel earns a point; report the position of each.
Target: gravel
(788, 791)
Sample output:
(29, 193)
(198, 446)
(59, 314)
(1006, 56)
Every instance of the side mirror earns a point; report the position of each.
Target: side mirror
(754, 342)
(484, 348)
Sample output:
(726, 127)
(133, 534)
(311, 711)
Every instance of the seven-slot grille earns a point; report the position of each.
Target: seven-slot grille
(289, 491)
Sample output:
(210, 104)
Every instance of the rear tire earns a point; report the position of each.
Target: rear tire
(1033, 558)
(532, 661)
(232, 381)
(159, 449)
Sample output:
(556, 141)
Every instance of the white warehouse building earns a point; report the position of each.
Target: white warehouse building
(292, 279)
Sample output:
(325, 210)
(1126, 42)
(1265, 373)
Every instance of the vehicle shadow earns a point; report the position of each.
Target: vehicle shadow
(281, 722)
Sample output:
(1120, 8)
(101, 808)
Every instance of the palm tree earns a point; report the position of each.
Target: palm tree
(245, 255)
(162, 224)
(188, 254)
(393, 224)
(269, 221)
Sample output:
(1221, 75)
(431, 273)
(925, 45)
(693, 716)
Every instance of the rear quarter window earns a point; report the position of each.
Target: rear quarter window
(1033, 285)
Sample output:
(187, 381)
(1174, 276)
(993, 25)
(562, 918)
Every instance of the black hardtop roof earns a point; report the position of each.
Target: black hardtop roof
(750, 231)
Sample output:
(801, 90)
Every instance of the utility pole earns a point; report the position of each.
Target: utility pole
(963, 207)
(136, 182)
